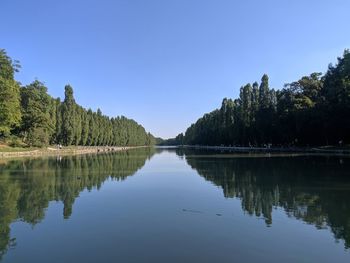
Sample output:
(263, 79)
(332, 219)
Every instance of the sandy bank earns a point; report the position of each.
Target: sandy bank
(66, 151)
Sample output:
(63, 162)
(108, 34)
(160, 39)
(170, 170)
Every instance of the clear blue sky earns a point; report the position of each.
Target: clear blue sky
(166, 63)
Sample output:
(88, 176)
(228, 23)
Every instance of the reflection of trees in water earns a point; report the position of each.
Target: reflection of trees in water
(313, 189)
(27, 186)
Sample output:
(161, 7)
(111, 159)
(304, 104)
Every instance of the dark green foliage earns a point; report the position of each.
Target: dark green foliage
(337, 99)
(178, 140)
(49, 121)
(314, 110)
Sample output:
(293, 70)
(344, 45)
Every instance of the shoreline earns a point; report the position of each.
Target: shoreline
(74, 150)
(270, 150)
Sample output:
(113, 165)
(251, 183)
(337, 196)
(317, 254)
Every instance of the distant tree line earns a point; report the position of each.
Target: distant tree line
(37, 119)
(314, 110)
(169, 142)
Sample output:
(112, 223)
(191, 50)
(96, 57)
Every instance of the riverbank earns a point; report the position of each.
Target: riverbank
(328, 150)
(71, 150)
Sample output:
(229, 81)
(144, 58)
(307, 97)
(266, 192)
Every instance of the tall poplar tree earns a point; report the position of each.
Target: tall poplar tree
(68, 116)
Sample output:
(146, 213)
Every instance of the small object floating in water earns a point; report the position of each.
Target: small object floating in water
(192, 211)
(219, 214)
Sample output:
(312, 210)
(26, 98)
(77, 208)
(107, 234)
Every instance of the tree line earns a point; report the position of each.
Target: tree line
(29, 115)
(313, 110)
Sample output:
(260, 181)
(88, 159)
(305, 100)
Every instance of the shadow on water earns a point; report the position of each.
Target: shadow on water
(28, 185)
(314, 189)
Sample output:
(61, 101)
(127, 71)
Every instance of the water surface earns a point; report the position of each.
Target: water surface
(173, 205)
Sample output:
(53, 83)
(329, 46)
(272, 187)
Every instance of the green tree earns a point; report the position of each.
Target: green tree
(85, 127)
(78, 124)
(92, 132)
(68, 116)
(36, 121)
(10, 112)
(58, 128)
(52, 120)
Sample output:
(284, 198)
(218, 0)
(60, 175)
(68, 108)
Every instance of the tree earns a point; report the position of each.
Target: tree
(246, 96)
(52, 120)
(313, 110)
(8, 67)
(85, 127)
(10, 112)
(58, 128)
(78, 124)
(36, 121)
(337, 99)
(92, 134)
(68, 116)
(264, 91)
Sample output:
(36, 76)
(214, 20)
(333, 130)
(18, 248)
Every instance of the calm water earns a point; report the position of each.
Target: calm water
(156, 205)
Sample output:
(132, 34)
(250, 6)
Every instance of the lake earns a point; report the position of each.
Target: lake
(175, 205)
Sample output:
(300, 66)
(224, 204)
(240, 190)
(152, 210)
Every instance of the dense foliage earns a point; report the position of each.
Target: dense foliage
(314, 110)
(32, 115)
(10, 113)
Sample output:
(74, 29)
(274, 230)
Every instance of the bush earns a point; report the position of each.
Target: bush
(38, 137)
(14, 141)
